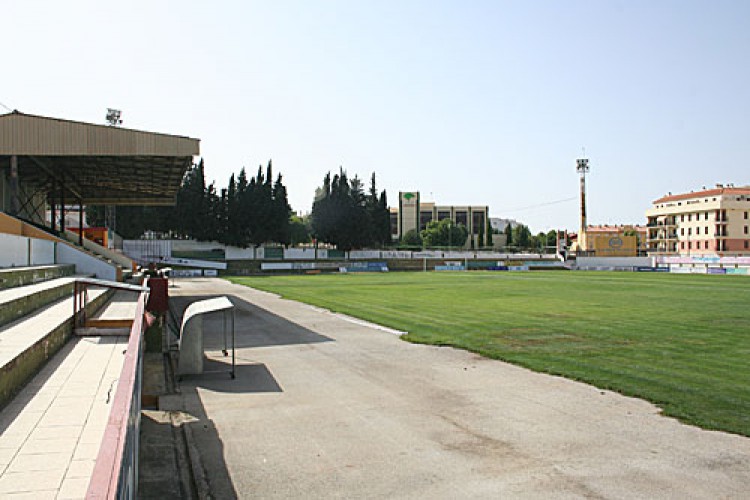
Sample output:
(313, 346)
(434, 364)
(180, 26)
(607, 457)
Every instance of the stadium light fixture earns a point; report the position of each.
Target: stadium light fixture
(113, 117)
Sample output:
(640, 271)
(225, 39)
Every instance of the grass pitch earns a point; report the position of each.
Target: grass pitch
(679, 341)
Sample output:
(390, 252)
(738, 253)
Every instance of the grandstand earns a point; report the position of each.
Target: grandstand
(70, 329)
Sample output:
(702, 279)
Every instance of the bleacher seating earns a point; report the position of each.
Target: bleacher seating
(35, 321)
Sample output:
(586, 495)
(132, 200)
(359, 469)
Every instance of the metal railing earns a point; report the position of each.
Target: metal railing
(115, 474)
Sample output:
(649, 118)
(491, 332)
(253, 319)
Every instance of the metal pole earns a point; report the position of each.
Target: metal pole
(62, 207)
(224, 317)
(14, 202)
(233, 343)
(80, 221)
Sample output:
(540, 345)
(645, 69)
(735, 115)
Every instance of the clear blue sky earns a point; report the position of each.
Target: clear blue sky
(468, 102)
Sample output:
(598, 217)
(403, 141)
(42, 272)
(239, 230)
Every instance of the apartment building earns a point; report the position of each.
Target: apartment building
(706, 222)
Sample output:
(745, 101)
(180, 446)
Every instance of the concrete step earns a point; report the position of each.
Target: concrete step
(93, 331)
(20, 276)
(17, 302)
(27, 343)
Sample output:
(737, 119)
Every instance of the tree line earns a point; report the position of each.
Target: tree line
(345, 216)
(520, 238)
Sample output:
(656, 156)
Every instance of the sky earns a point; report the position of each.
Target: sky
(468, 102)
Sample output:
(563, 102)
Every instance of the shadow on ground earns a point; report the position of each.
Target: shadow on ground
(249, 377)
(203, 447)
(254, 326)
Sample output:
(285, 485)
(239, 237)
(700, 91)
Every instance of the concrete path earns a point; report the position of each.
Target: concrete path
(326, 408)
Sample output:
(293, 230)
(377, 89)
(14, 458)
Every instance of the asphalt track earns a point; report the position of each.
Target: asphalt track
(323, 407)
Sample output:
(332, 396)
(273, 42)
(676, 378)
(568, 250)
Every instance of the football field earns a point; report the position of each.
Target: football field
(679, 341)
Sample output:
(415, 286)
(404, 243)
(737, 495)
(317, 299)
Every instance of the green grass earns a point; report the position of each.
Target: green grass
(679, 341)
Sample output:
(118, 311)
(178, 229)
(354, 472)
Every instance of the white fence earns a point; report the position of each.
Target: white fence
(145, 251)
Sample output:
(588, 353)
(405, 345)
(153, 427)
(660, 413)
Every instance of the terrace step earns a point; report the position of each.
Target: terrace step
(92, 331)
(20, 276)
(27, 343)
(114, 318)
(17, 302)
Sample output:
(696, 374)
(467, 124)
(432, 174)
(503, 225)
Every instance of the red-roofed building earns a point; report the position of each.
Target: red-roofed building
(707, 222)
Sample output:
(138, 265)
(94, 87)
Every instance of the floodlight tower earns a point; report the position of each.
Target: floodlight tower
(113, 117)
(582, 167)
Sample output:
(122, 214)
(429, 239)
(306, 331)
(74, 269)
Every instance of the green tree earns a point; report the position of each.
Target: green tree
(480, 237)
(444, 234)
(343, 215)
(379, 232)
(412, 238)
(509, 235)
(489, 233)
(299, 230)
(280, 213)
(522, 237)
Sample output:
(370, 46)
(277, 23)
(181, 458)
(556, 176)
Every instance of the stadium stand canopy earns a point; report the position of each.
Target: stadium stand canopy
(50, 160)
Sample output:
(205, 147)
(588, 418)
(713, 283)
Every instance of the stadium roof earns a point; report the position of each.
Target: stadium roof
(98, 164)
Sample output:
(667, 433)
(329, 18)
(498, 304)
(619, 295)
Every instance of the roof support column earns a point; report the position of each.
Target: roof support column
(62, 206)
(53, 206)
(80, 221)
(14, 204)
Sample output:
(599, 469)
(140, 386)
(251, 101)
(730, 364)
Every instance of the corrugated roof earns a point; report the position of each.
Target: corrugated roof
(24, 134)
(98, 163)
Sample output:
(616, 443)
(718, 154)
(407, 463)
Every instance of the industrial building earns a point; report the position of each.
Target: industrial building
(709, 222)
(412, 213)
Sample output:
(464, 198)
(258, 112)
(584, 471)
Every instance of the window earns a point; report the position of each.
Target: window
(682, 245)
(746, 244)
(706, 245)
(698, 230)
(690, 231)
(745, 215)
(477, 221)
(706, 216)
(705, 230)
(682, 231)
(689, 217)
(424, 217)
(745, 229)
(690, 245)
(682, 218)
(462, 217)
(444, 214)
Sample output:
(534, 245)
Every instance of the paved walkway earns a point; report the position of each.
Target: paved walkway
(50, 433)
(326, 408)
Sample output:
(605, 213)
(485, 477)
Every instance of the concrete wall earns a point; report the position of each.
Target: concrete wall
(299, 253)
(85, 263)
(42, 252)
(235, 253)
(14, 250)
(96, 248)
(21, 251)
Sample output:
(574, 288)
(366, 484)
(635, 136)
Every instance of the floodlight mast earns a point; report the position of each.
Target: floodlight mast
(113, 117)
(582, 167)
